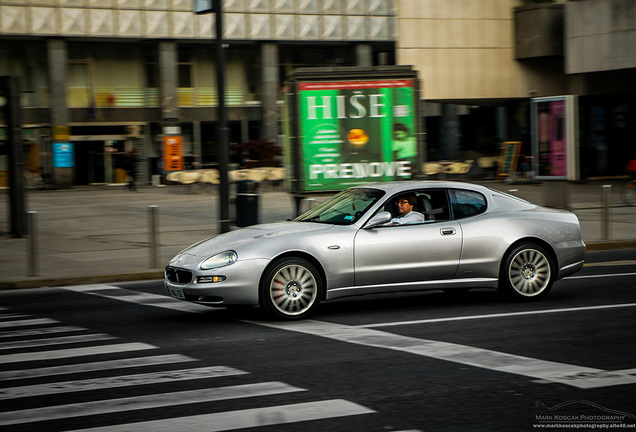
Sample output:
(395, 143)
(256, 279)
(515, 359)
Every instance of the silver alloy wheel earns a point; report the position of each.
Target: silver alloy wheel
(529, 272)
(293, 290)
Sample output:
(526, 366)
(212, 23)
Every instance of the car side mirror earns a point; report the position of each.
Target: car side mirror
(379, 219)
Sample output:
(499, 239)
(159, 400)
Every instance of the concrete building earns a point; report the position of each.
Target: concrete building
(110, 75)
(489, 67)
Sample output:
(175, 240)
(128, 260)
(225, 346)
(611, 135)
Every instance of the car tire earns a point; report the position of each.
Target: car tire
(291, 289)
(527, 273)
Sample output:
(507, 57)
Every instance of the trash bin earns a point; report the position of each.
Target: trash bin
(247, 201)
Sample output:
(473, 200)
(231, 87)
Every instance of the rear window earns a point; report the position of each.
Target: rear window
(467, 203)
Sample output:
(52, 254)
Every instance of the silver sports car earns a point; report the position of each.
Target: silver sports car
(362, 240)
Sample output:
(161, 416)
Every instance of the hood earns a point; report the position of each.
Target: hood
(235, 239)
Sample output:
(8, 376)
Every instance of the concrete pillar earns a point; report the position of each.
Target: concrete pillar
(168, 80)
(63, 170)
(271, 85)
(198, 147)
(502, 123)
(450, 132)
(364, 55)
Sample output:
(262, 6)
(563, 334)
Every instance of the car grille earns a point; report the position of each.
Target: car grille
(178, 276)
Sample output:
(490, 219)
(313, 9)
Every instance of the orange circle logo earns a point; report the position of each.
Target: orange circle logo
(358, 137)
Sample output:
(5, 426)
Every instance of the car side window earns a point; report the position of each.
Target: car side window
(432, 204)
(467, 203)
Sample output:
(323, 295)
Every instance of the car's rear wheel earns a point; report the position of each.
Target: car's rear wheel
(526, 273)
(291, 289)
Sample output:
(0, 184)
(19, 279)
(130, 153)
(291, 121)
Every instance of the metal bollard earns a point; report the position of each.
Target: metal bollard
(606, 201)
(308, 204)
(153, 223)
(34, 258)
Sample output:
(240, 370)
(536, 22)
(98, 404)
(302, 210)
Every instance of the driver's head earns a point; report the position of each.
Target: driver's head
(406, 204)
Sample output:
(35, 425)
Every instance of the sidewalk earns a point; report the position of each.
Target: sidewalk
(100, 234)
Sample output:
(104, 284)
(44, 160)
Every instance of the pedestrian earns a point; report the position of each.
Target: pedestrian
(130, 166)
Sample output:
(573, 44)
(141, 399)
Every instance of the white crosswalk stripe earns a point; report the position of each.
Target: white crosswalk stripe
(94, 366)
(249, 418)
(145, 402)
(121, 294)
(135, 388)
(41, 331)
(26, 322)
(118, 381)
(55, 341)
(74, 352)
(10, 316)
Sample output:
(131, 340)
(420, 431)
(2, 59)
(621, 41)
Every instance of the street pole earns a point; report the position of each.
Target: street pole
(222, 129)
(222, 134)
(10, 89)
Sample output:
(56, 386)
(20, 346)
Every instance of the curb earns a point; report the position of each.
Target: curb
(40, 282)
(610, 245)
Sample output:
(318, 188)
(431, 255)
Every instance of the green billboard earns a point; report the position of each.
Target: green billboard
(356, 132)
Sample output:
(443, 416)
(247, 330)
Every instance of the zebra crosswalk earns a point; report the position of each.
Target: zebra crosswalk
(47, 367)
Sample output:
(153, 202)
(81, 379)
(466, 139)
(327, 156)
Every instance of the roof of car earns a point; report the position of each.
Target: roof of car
(393, 187)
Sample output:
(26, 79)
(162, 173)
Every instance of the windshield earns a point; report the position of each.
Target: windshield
(345, 208)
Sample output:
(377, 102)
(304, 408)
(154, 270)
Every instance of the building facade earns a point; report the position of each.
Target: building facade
(109, 75)
(106, 76)
(486, 64)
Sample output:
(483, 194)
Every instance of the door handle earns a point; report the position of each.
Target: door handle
(447, 231)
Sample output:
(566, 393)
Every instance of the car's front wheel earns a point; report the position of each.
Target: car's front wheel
(526, 273)
(291, 289)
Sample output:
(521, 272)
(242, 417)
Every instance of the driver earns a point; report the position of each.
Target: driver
(406, 205)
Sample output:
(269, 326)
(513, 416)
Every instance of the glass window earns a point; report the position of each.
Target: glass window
(432, 204)
(185, 75)
(345, 208)
(467, 203)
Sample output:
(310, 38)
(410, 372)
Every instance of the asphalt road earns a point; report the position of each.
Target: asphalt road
(125, 357)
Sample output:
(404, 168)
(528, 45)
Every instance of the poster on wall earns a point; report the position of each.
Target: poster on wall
(356, 132)
(555, 138)
(63, 155)
(172, 153)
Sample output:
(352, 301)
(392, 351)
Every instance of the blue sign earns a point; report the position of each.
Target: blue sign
(204, 6)
(63, 155)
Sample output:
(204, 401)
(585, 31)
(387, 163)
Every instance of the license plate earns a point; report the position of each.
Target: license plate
(177, 293)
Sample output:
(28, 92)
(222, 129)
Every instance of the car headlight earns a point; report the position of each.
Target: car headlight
(219, 260)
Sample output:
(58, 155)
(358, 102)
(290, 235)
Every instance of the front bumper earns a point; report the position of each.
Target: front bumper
(239, 286)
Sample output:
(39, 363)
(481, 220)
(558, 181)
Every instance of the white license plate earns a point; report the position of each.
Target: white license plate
(177, 293)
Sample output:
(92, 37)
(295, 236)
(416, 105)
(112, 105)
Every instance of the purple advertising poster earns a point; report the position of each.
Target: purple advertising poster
(552, 138)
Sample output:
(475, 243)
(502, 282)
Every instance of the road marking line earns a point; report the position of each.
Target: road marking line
(162, 301)
(94, 366)
(74, 352)
(546, 371)
(249, 418)
(498, 315)
(145, 402)
(599, 276)
(40, 332)
(576, 376)
(118, 381)
(12, 315)
(610, 263)
(56, 341)
(27, 322)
